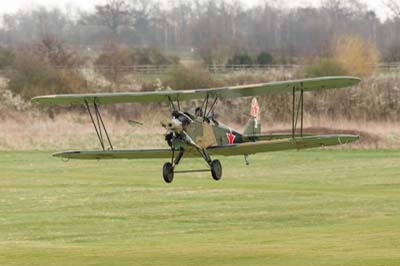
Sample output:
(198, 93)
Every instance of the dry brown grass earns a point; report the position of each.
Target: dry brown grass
(20, 131)
(373, 134)
(74, 131)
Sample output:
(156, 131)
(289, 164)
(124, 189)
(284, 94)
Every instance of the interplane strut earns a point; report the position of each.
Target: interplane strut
(296, 110)
(99, 126)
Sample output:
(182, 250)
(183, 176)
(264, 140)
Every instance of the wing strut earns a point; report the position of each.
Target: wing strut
(99, 126)
(295, 113)
(207, 111)
(171, 102)
(205, 108)
(212, 107)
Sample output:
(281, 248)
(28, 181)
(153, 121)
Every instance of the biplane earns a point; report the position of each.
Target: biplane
(199, 134)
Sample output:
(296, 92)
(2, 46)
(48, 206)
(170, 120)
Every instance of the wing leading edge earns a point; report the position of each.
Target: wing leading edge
(228, 150)
(311, 84)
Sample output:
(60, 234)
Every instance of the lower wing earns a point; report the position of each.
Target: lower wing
(227, 150)
(282, 144)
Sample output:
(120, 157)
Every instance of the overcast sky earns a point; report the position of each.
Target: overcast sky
(7, 6)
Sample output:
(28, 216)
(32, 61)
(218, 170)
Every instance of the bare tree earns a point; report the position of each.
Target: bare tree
(33, 24)
(142, 18)
(215, 29)
(394, 7)
(114, 14)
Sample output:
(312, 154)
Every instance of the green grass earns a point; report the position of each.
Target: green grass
(319, 207)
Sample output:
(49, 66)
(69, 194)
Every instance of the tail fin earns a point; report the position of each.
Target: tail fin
(253, 125)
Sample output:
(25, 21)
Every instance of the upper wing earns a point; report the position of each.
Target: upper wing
(228, 150)
(224, 92)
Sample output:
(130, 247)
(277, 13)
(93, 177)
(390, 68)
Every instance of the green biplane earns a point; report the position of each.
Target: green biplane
(199, 134)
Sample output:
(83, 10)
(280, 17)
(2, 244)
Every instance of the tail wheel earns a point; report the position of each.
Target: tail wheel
(168, 172)
(216, 170)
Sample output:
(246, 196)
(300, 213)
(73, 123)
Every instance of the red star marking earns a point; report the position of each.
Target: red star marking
(255, 109)
(231, 137)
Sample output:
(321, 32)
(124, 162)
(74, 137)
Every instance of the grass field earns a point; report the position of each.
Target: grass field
(319, 207)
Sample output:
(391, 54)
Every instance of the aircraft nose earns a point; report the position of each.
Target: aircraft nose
(174, 125)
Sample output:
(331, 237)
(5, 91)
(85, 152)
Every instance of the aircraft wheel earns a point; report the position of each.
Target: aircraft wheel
(168, 172)
(216, 170)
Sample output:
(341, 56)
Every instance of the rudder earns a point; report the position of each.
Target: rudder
(253, 125)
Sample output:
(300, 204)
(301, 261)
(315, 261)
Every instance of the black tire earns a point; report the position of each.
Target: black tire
(168, 172)
(216, 170)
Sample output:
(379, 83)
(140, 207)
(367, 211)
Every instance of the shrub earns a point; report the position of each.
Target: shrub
(151, 56)
(393, 54)
(212, 52)
(6, 57)
(182, 78)
(56, 53)
(240, 59)
(35, 73)
(325, 67)
(115, 60)
(264, 58)
(358, 56)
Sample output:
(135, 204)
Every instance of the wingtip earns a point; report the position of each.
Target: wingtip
(63, 154)
(352, 80)
(349, 138)
(38, 99)
(57, 154)
(34, 99)
(43, 99)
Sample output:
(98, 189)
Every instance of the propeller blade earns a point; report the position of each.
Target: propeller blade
(134, 123)
(164, 123)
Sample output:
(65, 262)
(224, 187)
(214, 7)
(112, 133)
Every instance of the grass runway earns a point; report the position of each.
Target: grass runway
(317, 207)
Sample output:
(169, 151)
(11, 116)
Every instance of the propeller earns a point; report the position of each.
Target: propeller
(175, 128)
(164, 125)
(173, 125)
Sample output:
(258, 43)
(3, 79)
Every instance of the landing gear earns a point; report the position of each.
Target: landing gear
(216, 170)
(169, 167)
(168, 172)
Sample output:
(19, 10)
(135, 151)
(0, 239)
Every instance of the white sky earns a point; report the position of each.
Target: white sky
(7, 6)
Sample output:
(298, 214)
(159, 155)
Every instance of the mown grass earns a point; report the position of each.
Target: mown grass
(319, 207)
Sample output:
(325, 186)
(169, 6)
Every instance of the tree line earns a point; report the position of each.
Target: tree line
(214, 30)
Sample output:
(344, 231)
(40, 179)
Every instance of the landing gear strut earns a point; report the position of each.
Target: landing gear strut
(215, 165)
(168, 168)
